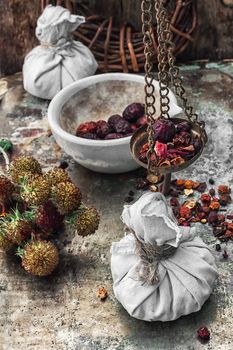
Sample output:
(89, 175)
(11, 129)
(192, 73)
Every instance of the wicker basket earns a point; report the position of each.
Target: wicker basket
(121, 48)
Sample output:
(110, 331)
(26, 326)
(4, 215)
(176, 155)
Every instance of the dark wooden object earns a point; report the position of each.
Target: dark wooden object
(213, 35)
(17, 35)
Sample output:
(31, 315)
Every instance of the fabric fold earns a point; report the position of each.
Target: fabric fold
(186, 278)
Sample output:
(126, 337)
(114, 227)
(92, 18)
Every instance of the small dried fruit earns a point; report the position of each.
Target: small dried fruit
(223, 189)
(202, 187)
(203, 333)
(102, 294)
(102, 129)
(211, 181)
(164, 130)
(86, 128)
(213, 218)
(141, 184)
(180, 182)
(121, 127)
(205, 198)
(212, 192)
(224, 199)
(203, 221)
(153, 188)
(154, 179)
(134, 111)
(183, 126)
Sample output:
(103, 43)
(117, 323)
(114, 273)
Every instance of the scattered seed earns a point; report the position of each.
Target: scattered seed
(218, 247)
(211, 181)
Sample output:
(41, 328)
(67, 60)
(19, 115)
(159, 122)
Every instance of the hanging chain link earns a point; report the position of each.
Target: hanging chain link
(147, 31)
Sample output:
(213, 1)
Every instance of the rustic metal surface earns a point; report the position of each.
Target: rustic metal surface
(63, 311)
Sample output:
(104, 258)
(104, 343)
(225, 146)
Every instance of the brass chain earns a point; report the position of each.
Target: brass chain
(167, 61)
(150, 110)
(164, 37)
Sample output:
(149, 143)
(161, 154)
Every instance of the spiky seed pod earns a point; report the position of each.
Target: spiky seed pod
(87, 221)
(36, 191)
(48, 218)
(40, 258)
(5, 243)
(24, 166)
(67, 197)
(56, 176)
(19, 230)
(6, 189)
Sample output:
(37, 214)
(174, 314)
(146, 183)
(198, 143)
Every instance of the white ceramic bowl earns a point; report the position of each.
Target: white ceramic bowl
(94, 98)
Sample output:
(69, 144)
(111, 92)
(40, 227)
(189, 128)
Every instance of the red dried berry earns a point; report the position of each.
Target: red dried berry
(203, 333)
(103, 129)
(202, 187)
(205, 198)
(164, 130)
(86, 128)
(212, 192)
(141, 184)
(213, 218)
(223, 189)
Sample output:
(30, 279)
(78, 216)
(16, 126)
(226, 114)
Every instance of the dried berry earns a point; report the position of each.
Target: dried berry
(102, 129)
(202, 187)
(213, 218)
(113, 120)
(218, 247)
(174, 193)
(212, 192)
(191, 204)
(203, 333)
(180, 182)
(205, 198)
(164, 130)
(211, 181)
(113, 136)
(223, 189)
(122, 127)
(183, 126)
(134, 111)
(86, 128)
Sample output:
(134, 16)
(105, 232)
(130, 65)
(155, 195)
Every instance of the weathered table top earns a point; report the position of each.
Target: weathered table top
(62, 311)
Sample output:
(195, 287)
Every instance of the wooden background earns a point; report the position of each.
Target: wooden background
(213, 36)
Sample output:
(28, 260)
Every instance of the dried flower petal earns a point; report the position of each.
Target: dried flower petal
(191, 204)
(188, 192)
(214, 205)
(203, 333)
(161, 149)
(188, 184)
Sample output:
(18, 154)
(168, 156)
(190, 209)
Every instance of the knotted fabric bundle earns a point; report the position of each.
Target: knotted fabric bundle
(160, 270)
(58, 61)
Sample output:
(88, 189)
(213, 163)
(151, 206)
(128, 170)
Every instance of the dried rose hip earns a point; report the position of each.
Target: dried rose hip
(214, 205)
(119, 125)
(102, 129)
(205, 198)
(183, 126)
(113, 136)
(224, 199)
(86, 128)
(134, 111)
(164, 130)
(203, 333)
(212, 192)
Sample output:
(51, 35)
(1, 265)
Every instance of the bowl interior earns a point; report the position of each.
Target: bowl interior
(99, 101)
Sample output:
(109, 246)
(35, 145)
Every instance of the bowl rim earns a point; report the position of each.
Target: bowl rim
(66, 93)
